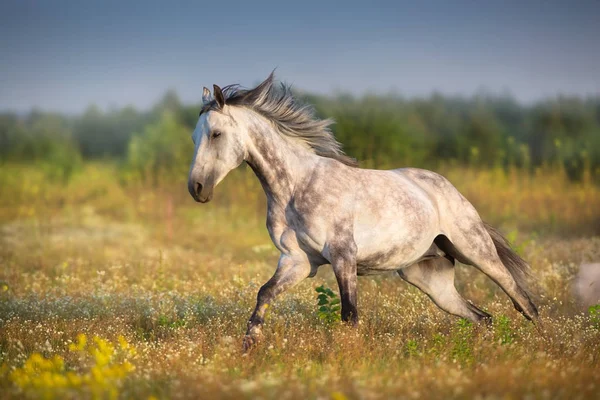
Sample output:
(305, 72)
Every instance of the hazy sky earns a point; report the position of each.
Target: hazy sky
(63, 55)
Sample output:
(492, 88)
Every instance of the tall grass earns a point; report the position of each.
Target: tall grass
(543, 202)
(142, 264)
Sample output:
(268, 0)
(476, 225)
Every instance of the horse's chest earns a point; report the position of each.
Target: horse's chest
(291, 232)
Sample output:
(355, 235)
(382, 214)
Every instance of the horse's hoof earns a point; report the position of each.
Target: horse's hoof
(250, 341)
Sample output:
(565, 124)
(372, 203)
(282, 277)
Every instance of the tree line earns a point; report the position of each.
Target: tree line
(379, 130)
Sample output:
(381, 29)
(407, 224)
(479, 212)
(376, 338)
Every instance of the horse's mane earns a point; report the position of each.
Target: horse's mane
(290, 118)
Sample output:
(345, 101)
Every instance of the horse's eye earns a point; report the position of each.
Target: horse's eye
(216, 134)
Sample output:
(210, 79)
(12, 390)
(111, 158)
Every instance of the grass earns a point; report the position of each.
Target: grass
(144, 265)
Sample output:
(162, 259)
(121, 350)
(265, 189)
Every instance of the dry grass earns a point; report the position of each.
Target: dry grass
(179, 281)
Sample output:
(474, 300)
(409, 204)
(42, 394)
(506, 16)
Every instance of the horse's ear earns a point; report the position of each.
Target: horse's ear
(219, 98)
(206, 97)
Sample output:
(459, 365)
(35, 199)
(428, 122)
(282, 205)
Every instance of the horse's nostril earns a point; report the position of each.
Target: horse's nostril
(198, 189)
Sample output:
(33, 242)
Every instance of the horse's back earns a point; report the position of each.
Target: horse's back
(428, 180)
(439, 189)
(453, 208)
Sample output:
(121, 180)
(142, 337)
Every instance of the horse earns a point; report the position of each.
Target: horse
(323, 209)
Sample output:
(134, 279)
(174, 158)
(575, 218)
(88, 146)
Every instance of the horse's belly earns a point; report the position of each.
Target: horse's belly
(396, 241)
(392, 257)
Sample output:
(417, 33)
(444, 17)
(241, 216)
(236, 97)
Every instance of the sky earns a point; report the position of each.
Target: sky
(63, 55)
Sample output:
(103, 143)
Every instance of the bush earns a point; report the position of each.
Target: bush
(162, 150)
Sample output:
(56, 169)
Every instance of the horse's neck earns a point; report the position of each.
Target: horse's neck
(279, 164)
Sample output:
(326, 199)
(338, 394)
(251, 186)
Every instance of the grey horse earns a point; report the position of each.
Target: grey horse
(323, 209)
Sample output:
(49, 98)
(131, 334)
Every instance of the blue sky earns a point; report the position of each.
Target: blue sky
(63, 55)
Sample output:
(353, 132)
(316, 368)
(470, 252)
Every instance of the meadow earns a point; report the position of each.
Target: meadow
(111, 287)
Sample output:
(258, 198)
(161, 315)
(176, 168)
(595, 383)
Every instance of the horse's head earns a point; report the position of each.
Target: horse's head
(219, 146)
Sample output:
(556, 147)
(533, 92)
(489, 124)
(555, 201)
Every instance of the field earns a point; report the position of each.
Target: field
(111, 288)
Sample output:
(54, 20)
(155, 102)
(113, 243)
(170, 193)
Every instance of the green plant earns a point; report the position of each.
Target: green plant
(594, 312)
(438, 345)
(329, 305)
(170, 322)
(462, 349)
(519, 246)
(504, 333)
(411, 348)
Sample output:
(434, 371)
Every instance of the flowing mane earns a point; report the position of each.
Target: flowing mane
(290, 118)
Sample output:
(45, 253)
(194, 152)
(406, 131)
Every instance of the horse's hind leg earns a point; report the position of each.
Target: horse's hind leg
(435, 277)
(474, 246)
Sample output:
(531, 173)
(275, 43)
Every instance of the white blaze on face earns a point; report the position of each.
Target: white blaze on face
(199, 132)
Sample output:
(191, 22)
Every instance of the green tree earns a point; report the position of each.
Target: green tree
(161, 151)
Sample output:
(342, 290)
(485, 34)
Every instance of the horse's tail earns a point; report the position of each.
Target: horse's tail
(518, 268)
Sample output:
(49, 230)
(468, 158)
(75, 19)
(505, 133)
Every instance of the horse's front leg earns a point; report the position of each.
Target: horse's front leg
(290, 271)
(343, 261)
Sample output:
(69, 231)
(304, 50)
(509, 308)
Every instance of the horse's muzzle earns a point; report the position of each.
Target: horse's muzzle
(201, 193)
